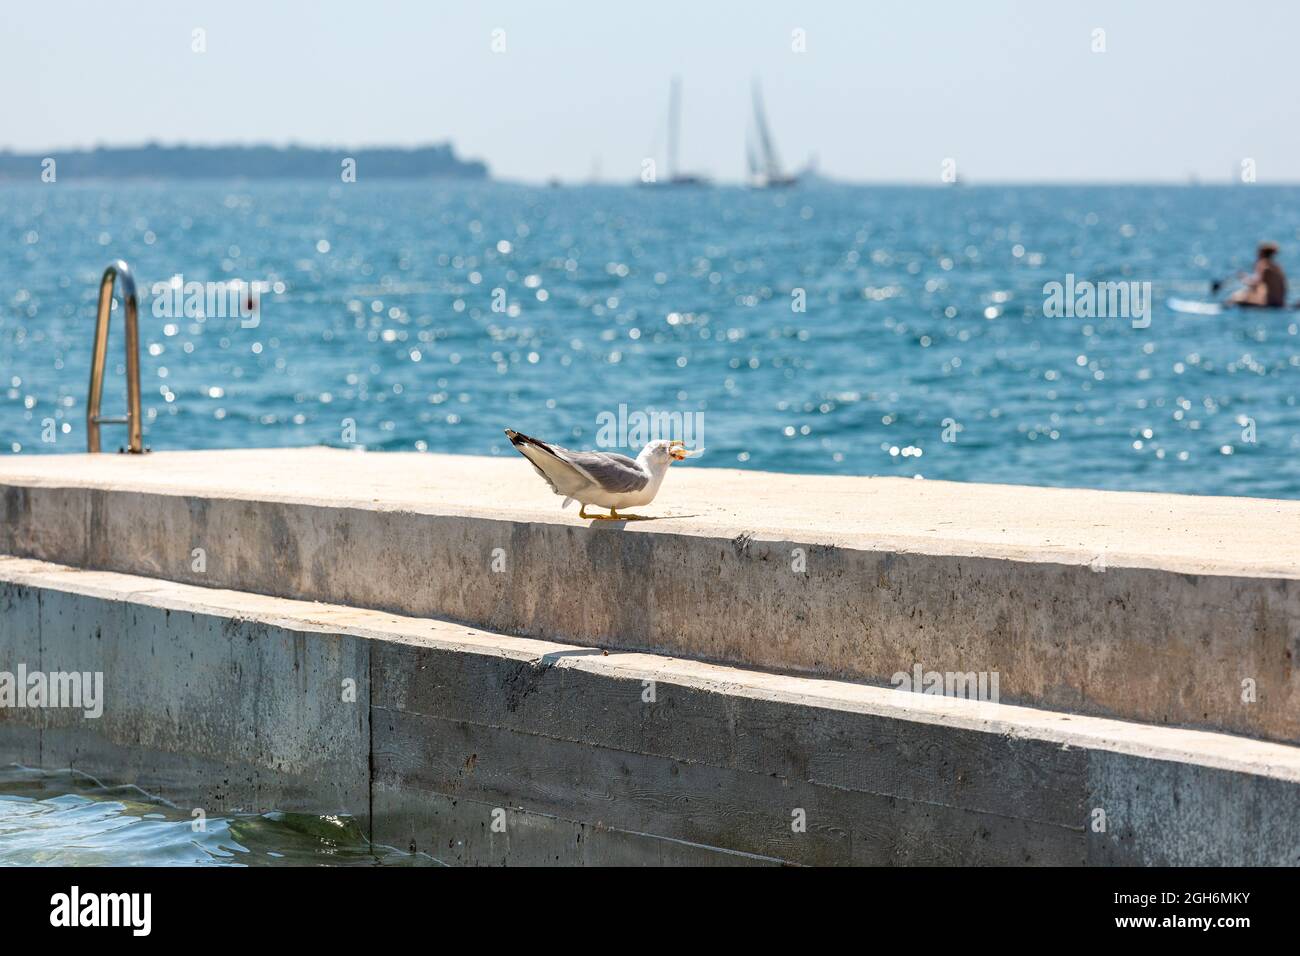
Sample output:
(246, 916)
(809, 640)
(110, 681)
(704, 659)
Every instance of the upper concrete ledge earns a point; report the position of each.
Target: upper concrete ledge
(1180, 533)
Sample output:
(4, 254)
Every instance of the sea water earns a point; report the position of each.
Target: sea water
(68, 819)
(821, 329)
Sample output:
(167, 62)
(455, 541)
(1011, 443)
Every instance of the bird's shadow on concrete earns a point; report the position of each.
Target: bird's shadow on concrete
(620, 524)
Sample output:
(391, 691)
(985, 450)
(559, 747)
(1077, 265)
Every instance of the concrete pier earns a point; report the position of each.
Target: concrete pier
(1163, 609)
(430, 644)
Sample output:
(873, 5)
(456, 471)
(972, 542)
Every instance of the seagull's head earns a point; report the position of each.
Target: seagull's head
(664, 453)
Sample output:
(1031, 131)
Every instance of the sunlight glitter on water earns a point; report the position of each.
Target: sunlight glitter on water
(431, 316)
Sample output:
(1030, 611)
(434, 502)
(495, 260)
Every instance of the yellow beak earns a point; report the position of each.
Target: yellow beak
(677, 450)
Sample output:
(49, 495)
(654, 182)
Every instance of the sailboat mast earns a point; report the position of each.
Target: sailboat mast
(674, 121)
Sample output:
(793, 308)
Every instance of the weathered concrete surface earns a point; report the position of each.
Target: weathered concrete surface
(582, 757)
(1157, 608)
(209, 711)
(1188, 534)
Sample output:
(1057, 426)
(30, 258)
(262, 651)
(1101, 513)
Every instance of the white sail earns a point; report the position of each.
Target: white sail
(768, 171)
(751, 159)
(771, 162)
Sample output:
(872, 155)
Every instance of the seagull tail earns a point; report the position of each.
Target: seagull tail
(519, 439)
(567, 502)
(560, 474)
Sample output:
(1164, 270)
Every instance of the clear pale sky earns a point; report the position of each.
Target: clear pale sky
(885, 91)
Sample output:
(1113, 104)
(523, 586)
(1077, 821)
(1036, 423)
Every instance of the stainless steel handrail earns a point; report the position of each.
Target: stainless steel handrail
(118, 271)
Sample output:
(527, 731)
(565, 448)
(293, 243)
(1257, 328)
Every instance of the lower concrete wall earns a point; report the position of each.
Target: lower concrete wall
(1128, 642)
(205, 711)
(480, 748)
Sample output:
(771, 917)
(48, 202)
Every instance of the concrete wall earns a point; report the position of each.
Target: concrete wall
(204, 710)
(233, 700)
(1134, 642)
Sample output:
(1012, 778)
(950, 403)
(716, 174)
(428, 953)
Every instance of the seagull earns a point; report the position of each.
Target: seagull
(603, 479)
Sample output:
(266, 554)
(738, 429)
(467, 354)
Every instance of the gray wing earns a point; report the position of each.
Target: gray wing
(617, 474)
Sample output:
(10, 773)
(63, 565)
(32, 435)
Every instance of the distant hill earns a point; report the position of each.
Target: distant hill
(154, 161)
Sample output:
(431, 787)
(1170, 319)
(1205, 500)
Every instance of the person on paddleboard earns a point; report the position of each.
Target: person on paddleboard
(1265, 288)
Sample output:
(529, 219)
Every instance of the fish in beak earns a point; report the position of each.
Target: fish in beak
(678, 452)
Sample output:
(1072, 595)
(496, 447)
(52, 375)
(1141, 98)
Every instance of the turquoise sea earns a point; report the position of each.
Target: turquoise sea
(923, 319)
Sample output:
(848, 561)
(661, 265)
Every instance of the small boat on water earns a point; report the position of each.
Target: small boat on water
(764, 165)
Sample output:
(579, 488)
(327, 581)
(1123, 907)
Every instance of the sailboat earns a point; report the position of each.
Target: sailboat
(764, 166)
(675, 176)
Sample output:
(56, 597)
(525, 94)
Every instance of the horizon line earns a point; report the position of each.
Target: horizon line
(1188, 179)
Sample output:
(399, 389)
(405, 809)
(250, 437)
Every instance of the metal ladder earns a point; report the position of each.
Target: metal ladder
(119, 270)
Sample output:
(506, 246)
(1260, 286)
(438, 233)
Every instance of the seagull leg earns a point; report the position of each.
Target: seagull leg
(612, 516)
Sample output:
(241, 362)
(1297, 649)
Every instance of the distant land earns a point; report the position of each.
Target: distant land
(154, 161)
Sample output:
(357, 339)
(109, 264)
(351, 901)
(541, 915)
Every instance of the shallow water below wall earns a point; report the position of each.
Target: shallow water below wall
(67, 819)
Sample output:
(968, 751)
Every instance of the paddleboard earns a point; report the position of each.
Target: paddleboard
(1194, 307)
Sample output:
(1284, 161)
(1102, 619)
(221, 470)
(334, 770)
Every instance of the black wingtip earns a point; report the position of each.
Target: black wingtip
(519, 439)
